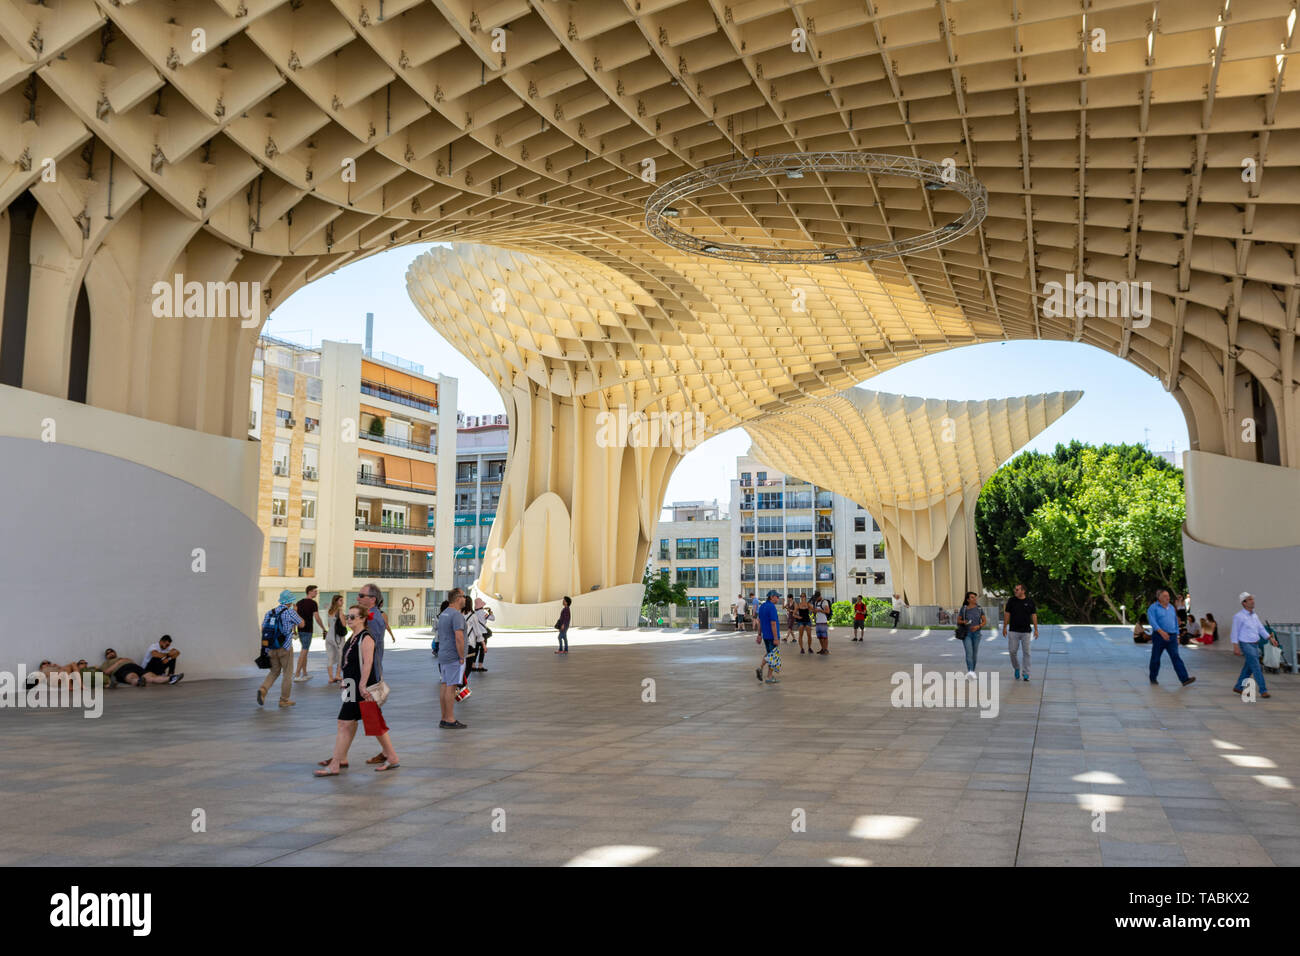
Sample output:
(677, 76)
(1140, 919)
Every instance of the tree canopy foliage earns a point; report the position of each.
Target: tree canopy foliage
(1084, 528)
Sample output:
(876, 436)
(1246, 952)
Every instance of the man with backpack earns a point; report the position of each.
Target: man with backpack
(278, 628)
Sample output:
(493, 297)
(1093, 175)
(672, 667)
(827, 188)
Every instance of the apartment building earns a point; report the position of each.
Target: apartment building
(357, 459)
(481, 445)
(694, 546)
(794, 537)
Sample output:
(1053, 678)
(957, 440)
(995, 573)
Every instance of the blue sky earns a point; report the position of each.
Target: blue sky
(1119, 401)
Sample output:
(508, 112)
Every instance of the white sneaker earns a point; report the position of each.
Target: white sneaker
(300, 678)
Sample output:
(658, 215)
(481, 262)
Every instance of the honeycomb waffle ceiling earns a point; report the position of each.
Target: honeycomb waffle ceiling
(1118, 165)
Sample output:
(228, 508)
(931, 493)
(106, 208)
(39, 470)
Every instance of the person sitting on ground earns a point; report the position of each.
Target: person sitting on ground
(161, 659)
(127, 671)
(1140, 635)
(46, 668)
(1209, 629)
(1193, 629)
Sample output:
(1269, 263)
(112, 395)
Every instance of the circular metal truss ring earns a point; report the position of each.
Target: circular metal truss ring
(666, 202)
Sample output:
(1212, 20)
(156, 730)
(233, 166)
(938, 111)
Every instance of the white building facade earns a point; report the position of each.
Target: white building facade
(795, 538)
(695, 547)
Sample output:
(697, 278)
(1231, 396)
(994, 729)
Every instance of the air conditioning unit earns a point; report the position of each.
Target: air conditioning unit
(290, 422)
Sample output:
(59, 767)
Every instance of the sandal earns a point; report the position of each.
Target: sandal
(325, 773)
(386, 767)
(378, 759)
(326, 763)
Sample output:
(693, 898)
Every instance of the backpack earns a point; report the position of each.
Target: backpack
(339, 629)
(273, 637)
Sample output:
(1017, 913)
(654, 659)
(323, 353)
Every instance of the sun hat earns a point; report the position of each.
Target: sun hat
(286, 596)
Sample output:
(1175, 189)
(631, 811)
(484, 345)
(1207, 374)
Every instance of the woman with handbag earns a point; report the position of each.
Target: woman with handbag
(335, 631)
(969, 621)
(361, 699)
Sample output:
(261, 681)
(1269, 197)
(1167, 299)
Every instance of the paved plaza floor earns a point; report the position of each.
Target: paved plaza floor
(565, 761)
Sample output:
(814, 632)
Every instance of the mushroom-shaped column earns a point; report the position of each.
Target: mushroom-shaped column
(917, 465)
(597, 424)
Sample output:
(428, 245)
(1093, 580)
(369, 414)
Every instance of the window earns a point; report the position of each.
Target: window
(280, 459)
(798, 499)
(393, 560)
(769, 500)
(688, 576)
(393, 516)
(860, 552)
(285, 380)
(398, 429)
(310, 462)
(279, 514)
(762, 477)
(799, 546)
(880, 577)
(283, 418)
(275, 557)
(687, 548)
(708, 547)
(860, 523)
(663, 549)
(361, 560)
(306, 555)
(310, 424)
(878, 550)
(771, 524)
(798, 525)
(313, 390)
(746, 478)
(308, 512)
(708, 578)
(860, 577)
(771, 549)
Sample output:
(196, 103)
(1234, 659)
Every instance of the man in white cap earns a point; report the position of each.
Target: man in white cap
(1247, 632)
(283, 617)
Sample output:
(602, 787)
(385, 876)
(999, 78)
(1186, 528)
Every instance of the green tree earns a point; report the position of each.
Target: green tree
(1085, 529)
(659, 593)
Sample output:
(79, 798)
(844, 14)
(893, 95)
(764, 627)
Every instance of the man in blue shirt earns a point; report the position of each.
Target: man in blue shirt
(769, 630)
(1164, 637)
(1247, 632)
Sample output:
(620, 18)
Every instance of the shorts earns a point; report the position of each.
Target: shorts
(452, 674)
(768, 644)
(121, 674)
(859, 622)
(821, 631)
(305, 638)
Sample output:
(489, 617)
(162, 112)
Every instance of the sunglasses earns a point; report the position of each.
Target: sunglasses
(354, 617)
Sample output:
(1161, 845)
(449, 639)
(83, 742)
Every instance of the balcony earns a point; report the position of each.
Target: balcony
(379, 574)
(824, 499)
(400, 396)
(747, 553)
(311, 474)
(362, 525)
(746, 529)
(825, 552)
(746, 575)
(747, 504)
(366, 478)
(401, 443)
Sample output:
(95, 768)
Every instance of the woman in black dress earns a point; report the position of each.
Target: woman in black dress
(358, 662)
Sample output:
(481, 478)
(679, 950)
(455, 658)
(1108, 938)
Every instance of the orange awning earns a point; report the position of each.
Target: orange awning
(397, 471)
(377, 412)
(389, 545)
(424, 474)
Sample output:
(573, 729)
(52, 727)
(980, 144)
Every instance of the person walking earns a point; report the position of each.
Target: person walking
(859, 618)
(769, 632)
(790, 614)
(308, 610)
(356, 667)
(1164, 637)
(336, 632)
(1247, 632)
(451, 658)
(805, 621)
(562, 625)
(822, 608)
(473, 644)
(1019, 614)
(281, 620)
(897, 611)
(483, 614)
(971, 619)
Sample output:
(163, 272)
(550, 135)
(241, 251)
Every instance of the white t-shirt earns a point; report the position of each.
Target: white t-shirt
(157, 646)
(823, 608)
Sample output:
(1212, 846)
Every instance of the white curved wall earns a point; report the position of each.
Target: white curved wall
(609, 607)
(1242, 534)
(98, 552)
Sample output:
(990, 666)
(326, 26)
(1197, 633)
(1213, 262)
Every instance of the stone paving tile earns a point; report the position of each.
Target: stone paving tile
(711, 774)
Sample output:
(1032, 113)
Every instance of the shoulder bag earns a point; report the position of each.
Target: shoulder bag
(379, 690)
